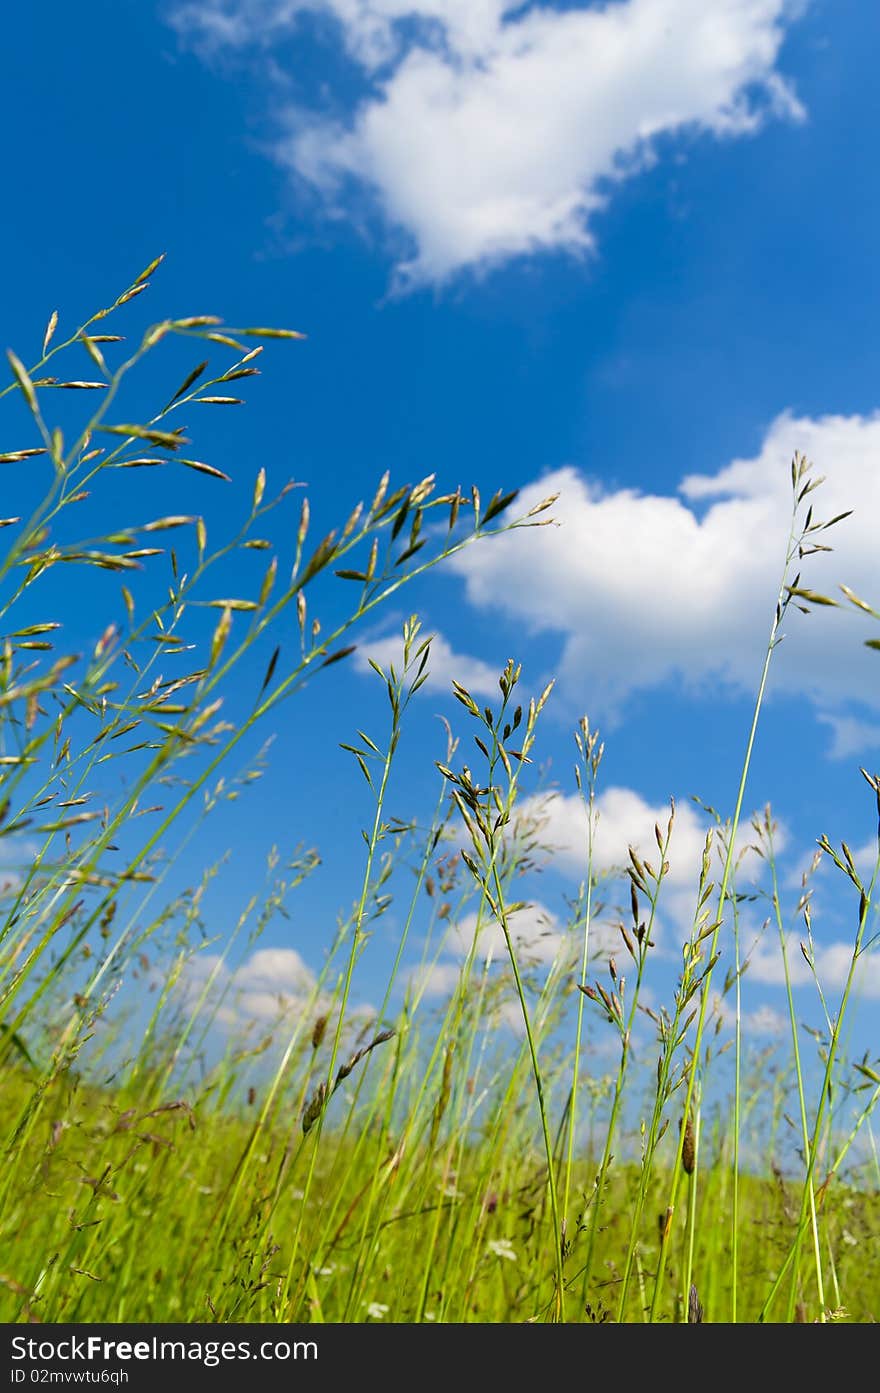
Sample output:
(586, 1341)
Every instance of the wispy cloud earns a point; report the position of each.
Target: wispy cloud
(492, 129)
(851, 737)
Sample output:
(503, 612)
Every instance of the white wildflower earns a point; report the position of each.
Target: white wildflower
(502, 1248)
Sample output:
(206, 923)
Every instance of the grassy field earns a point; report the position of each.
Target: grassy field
(416, 1164)
(122, 1211)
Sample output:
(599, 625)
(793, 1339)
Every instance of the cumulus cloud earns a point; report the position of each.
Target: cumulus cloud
(444, 664)
(538, 937)
(269, 986)
(264, 988)
(535, 932)
(764, 1020)
(438, 979)
(556, 828)
(647, 588)
(493, 129)
(625, 819)
(761, 1020)
(832, 964)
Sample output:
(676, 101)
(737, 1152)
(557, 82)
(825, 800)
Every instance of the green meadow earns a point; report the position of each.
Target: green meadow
(511, 1155)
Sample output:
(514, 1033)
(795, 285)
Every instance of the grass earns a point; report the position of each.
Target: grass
(412, 1164)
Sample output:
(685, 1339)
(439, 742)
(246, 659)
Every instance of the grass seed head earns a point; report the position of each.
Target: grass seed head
(695, 1307)
(688, 1148)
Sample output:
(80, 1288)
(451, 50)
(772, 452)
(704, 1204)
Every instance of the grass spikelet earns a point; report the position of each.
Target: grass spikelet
(688, 1148)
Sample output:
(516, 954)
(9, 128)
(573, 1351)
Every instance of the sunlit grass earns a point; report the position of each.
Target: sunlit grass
(551, 1142)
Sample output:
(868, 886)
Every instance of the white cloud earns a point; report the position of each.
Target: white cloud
(264, 988)
(865, 858)
(444, 664)
(645, 589)
(535, 931)
(764, 1020)
(435, 979)
(832, 964)
(278, 967)
(17, 854)
(758, 1020)
(538, 937)
(370, 29)
(271, 986)
(850, 736)
(623, 819)
(495, 129)
(507, 1015)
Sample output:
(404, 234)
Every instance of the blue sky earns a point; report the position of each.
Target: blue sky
(622, 252)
